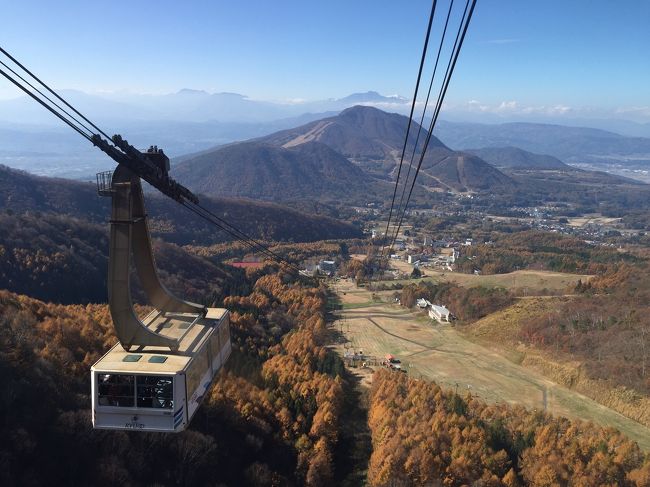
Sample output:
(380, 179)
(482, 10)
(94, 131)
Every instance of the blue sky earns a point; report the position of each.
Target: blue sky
(519, 55)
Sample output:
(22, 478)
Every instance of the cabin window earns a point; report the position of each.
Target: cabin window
(116, 390)
(155, 391)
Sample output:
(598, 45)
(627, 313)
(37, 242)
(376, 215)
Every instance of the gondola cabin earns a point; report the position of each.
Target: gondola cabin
(151, 389)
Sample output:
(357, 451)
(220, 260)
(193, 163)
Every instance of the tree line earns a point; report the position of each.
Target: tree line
(424, 435)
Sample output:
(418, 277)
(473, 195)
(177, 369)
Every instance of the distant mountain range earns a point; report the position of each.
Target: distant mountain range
(187, 105)
(352, 158)
(191, 121)
(570, 144)
(184, 122)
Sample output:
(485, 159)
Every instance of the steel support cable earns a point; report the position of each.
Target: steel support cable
(408, 127)
(80, 124)
(198, 211)
(54, 93)
(45, 105)
(257, 243)
(450, 69)
(424, 110)
(237, 234)
(438, 101)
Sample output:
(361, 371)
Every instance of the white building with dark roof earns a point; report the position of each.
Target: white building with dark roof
(439, 313)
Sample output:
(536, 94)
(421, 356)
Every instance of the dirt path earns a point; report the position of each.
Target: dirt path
(440, 353)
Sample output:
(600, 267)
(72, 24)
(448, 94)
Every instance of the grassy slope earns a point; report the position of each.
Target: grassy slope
(448, 356)
(499, 331)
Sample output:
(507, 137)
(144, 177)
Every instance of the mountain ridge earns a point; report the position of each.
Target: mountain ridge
(514, 157)
(21, 192)
(352, 157)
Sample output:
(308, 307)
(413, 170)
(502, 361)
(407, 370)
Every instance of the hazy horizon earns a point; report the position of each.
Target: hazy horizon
(554, 59)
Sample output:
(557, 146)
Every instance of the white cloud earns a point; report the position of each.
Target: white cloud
(643, 111)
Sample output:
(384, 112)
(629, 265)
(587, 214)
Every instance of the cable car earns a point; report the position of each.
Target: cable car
(155, 377)
(153, 390)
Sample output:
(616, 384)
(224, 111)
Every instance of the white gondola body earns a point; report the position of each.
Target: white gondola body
(152, 389)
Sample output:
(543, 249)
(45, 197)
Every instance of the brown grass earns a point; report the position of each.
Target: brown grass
(443, 354)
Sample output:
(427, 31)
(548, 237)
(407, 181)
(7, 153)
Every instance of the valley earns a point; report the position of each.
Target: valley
(529, 255)
(232, 253)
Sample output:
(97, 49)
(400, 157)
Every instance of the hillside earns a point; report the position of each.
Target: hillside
(594, 341)
(279, 414)
(465, 172)
(63, 259)
(513, 157)
(241, 437)
(21, 192)
(311, 170)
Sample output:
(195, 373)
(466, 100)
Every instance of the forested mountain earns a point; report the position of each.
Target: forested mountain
(20, 192)
(277, 414)
(63, 259)
(424, 435)
(273, 417)
(262, 171)
(351, 157)
(374, 139)
(517, 158)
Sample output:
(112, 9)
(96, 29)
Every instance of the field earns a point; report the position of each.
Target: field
(529, 281)
(440, 353)
(595, 219)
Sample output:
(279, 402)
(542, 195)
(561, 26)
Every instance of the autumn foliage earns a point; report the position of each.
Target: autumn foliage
(301, 378)
(466, 303)
(538, 250)
(424, 435)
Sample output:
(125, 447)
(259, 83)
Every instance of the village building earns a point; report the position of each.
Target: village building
(439, 313)
(327, 267)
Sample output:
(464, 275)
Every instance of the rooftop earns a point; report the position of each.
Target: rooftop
(193, 331)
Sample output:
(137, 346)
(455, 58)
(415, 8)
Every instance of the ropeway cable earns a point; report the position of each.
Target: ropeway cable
(408, 127)
(450, 69)
(53, 92)
(424, 110)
